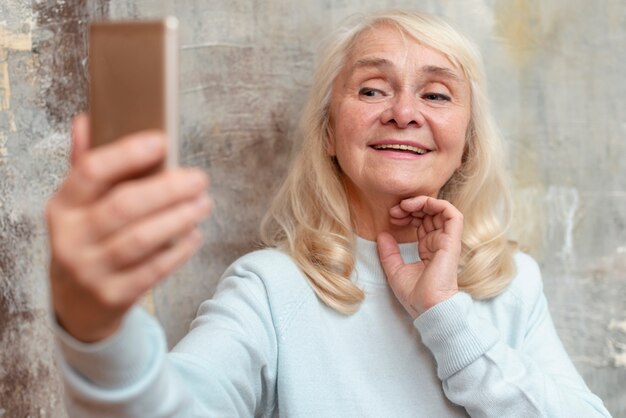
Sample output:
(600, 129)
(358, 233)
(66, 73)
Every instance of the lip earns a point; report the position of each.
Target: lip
(399, 142)
(399, 155)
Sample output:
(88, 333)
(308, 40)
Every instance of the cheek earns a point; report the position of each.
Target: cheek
(356, 120)
(344, 121)
(344, 129)
(451, 131)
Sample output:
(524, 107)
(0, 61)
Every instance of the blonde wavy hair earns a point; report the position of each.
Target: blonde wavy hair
(310, 217)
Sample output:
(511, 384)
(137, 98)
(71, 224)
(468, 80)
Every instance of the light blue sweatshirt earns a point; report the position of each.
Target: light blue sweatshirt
(265, 346)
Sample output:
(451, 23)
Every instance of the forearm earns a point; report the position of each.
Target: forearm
(126, 375)
(490, 379)
(513, 385)
(223, 367)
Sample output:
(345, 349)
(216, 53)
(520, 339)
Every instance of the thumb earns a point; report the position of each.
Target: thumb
(401, 277)
(390, 257)
(80, 137)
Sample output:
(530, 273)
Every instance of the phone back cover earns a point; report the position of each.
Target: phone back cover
(133, 80)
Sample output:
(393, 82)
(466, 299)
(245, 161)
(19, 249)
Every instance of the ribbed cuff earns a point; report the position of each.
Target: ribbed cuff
(455, 334)
(118, 360)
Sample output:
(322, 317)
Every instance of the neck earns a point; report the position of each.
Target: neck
(370, 217)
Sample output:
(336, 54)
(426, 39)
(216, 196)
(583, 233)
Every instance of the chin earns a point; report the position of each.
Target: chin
(404, 191)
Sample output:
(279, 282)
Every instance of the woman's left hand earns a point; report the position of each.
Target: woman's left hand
(433, 279)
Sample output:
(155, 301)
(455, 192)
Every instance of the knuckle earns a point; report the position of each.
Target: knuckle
(126, 249)
(174, 181)
(119, 253)
(134, 144)
(64, 258)
(120, 204)
(91, 223)
(88, 169)
(64, 253)
(139, 241)
(157, 270)
(116, 255)
(59, 216)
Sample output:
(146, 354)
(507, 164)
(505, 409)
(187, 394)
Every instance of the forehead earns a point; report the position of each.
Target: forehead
(385, 43)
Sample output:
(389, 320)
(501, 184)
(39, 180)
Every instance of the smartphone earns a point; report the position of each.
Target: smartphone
(133, 80)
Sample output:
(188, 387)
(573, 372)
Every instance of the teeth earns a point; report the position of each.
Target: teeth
(402, 147)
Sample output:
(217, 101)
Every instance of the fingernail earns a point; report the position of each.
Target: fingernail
(153, 142)
(203, 202)
(197, 178)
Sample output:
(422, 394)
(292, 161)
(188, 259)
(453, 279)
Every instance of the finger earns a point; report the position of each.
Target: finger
(428, 223)
(389, 254)
(143, 240)
(401, 221)
(80, 137)
(136, 199)
(398, 212)
(434, 206)
(418, 214)
(131, 284)
(451, 217)
(421, 234)
(417, 222)
(413, 204)
(97, 170)
(438, 221)
(409, 219)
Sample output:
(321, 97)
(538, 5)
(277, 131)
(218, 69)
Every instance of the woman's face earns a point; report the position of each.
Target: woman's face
(399, 115)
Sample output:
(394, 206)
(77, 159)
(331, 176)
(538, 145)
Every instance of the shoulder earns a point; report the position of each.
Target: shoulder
(527, 284)
(273, 276)
(524, 291)
(515, 310)
(269, 265)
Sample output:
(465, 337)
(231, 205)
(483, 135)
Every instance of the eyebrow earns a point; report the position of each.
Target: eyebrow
(384, 63)
(442, 72)
(371, 62)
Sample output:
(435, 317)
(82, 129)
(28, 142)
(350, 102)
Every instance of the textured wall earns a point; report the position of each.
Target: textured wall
(42, 83)
(558, 86)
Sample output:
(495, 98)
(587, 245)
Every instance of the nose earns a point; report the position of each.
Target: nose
(404, 111)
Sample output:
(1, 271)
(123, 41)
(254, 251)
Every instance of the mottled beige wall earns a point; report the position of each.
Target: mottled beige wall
(558, 88)
(42, 83)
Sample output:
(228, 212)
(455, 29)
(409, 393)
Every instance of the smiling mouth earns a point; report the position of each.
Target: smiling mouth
(402, 148)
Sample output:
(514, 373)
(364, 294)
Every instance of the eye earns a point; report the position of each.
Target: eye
(436, 97)
(369, 92)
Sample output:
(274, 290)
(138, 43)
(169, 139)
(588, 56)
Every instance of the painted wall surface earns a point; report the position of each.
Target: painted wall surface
(558, 87)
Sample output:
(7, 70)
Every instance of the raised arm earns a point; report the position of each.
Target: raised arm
(487, 372)
(225, 366)
(115, 234)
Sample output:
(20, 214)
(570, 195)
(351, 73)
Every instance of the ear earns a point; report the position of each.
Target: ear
(330, 150)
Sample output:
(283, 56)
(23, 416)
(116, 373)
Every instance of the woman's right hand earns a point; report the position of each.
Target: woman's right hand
(113, 234)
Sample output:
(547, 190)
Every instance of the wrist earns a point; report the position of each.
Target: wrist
(433, 301)
(90, 331)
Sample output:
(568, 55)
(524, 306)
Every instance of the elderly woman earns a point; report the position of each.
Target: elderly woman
(388, 288)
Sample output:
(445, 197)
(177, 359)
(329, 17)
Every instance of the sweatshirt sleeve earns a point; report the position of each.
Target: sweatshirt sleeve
(225, 366)
(491, 378)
